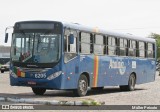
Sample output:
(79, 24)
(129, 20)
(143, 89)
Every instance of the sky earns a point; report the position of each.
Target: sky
(136, 17)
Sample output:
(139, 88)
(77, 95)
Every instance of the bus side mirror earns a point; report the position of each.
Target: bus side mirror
(71, 39)
(6, 38)
(6, 34)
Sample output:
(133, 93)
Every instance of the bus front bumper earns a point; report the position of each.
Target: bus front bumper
(39, 83)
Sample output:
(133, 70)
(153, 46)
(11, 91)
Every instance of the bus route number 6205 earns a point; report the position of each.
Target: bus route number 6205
(40, 75)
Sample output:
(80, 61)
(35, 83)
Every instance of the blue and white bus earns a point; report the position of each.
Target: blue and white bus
(48, 55)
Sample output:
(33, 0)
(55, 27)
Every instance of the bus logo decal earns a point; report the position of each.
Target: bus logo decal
(118, 64)
(95, 72)
(19, 72)
(133, 64)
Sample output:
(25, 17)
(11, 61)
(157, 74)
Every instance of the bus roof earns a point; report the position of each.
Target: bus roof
(106, 32)
(98, 31)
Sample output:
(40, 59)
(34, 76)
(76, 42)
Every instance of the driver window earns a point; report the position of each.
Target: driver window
(70, 49)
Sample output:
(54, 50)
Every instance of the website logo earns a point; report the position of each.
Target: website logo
(5, 107)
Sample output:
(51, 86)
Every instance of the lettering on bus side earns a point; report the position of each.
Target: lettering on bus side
(117, 64)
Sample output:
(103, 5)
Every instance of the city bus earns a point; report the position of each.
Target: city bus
(52, 55)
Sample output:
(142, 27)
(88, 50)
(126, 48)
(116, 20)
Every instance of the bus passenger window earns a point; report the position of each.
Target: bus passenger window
(123, 47)
(132, 48)
(70, 49)
(112, 46)
(150, 50)
(85, 43)
(99, 45)
(141, 49)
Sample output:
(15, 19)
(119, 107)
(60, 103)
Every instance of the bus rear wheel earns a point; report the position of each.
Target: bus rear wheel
(82, 86)
(131, 84)
(38, 91)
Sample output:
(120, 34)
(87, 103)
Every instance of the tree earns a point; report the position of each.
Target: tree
(157, 37)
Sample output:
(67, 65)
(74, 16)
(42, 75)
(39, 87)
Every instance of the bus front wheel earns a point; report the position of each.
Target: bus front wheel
(82, 86)
(38, 91)
(131, 84)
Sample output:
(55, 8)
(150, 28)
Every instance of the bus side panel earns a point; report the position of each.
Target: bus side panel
(146, 70)
(140, 69)
(77, 66)
(70, 72)
(103, 78)
(107, 70)
(87, 65)
(116, 70)
(152, 70)
(90, 64)
(98, 72)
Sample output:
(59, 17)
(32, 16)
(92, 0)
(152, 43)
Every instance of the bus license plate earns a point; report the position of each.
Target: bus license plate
(31, 83)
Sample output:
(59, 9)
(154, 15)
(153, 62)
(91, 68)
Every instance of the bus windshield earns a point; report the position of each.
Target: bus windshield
(35, 47)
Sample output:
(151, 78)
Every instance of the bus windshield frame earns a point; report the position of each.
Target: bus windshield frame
(37, 47)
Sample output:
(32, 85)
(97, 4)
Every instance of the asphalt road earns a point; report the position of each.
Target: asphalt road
(144, 94)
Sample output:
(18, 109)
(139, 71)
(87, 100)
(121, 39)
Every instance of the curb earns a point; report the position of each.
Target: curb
(46, 102)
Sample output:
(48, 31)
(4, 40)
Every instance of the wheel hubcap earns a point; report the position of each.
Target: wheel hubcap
(132, 82)
(83, 86)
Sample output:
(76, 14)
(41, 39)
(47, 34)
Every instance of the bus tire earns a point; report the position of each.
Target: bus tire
(131, 84)
(38, 91)
(2, 71)
(82, 86)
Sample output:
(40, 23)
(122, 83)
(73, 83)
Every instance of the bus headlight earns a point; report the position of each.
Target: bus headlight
(53, 76)
(13, 74)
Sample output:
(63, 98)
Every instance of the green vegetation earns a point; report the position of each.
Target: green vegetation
(157, 37)
(92, 102)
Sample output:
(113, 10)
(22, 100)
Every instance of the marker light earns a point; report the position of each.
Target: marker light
(53, 76)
